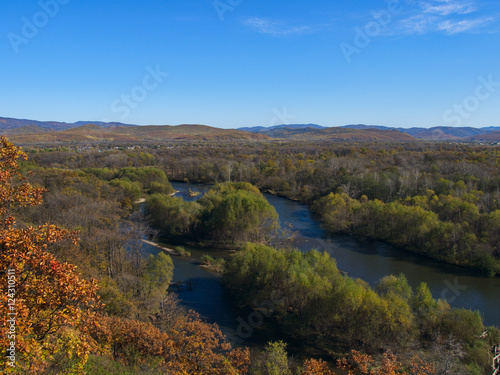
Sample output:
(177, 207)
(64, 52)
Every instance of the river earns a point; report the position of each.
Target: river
(362, 258)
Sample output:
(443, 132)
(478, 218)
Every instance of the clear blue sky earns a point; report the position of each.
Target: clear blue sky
(233, 63)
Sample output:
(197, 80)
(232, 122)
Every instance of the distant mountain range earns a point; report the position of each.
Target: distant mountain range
(31, 131)
(7, 123)
(486, 134)
(261, 129)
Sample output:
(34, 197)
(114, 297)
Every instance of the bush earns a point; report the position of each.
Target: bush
(214, 264)
(182, 251)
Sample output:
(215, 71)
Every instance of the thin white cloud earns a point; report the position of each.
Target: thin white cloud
(445, 16)
(449, 8)
(266, 26)
(451, 27)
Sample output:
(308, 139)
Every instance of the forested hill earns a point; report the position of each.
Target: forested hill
(128, 134)
(44, 132)
(337, 134)
(437, 133)
(10, 124)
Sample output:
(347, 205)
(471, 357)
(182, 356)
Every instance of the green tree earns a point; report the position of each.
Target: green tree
(396, 286)
(147, 177)
(273, 361)
(425, 310)
(234, 213)
(131, 190)
(173, 216)
(159, 272)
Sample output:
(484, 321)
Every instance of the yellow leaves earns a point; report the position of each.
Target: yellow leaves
(14, 192)
(53, 303)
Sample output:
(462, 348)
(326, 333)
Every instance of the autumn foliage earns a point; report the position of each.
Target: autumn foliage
(57, 318)
(390, 365)
(190, 347)
(316, 367)
(53, 304)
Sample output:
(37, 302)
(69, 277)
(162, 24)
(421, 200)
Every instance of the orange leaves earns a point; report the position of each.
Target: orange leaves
(129, 341)
(49, 295)
(316, 367)
(200, 348)
(53, 304)
(419, 367)
(56, 309)
(14, 191)
(390, 365)
(9, 155)
(192, 347)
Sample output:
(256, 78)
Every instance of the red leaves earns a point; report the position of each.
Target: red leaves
(191, 347)
(53, 304)
(316, 367)
(57, 308)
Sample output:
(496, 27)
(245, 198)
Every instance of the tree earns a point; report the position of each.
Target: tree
(395, 285)
(173, 216)
(160, 270)
(189, 347)
(131, 190)
(200, 348)
(273, 361)
(235, 213)
(148, 177)
(425, 309)
(50, 305)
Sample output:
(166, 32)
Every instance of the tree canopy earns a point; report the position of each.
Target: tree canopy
(228, 215)
(52, 305)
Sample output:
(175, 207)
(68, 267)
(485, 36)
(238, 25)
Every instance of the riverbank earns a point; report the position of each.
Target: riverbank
(166, 249)
(194, 284)
(143, 200)
(371, 260)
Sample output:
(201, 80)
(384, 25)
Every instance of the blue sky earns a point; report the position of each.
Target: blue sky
(233, 63)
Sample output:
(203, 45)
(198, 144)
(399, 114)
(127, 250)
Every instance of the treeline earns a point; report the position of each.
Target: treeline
(228, 215)
(308, 171)
(312, 302)
(444, 227)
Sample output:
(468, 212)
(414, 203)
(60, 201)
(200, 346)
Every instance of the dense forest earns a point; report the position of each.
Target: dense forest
(114, 314)
(446, 197)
